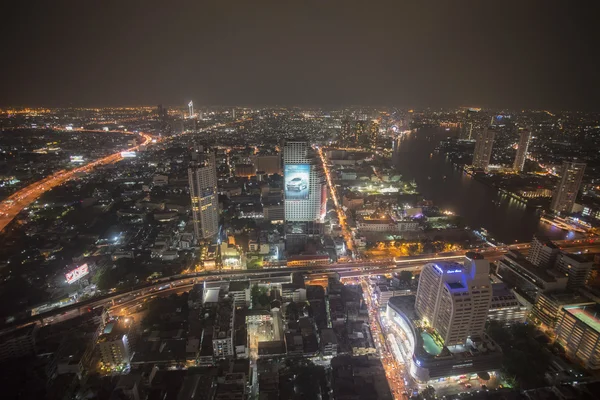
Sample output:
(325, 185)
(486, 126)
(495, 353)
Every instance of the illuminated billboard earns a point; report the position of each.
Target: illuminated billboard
(296, 181)
(77, 159)
(128, 154)
(323, 202)
(77, 273)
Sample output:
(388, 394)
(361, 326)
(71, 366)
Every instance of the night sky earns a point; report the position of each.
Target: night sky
(536, 54)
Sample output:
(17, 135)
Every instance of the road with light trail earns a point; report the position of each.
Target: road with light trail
(15, 203)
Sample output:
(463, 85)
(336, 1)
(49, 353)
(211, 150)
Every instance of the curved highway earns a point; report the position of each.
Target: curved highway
(15, 203)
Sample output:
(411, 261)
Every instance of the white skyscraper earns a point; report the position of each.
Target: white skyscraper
(305, 193)
(565, 194)
(191, 108)
(202, 174)
(484, 144)
(455, 298)
(524, 137)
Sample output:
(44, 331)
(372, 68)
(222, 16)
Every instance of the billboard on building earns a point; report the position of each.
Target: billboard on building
(297, 183)
(77, 273)
(76, 159)
(128, 154)
(323, 202)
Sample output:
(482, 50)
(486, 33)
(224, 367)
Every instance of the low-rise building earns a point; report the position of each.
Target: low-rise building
(223, 332)
(329, 343)
(359, 378)
(240, 292)
(505, 307)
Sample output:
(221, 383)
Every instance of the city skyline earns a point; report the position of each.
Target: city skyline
(333, 53)
(299, 200)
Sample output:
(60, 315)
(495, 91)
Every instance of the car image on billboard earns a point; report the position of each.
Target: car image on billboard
(297, 181)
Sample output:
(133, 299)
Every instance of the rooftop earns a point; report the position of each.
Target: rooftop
(541, 273)
(580, 258)
(545, 241)
(114, 330)
(237, 286)
(501, 290)
(455, 285)
(586, 314)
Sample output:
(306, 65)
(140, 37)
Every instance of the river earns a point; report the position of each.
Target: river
(480, 205)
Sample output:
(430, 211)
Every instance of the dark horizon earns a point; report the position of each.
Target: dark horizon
(508, 55)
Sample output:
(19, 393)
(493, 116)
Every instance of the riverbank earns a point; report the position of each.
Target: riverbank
(451, 188)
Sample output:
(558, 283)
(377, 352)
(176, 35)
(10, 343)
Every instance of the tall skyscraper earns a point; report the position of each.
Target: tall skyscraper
(565, 193)
(361, 133)
(469, 121)
(305, 194)
(191, 108)
(202, 174)
(345, 136)
(483, 148)
(524, 137)
(455, 298)
(373, 134)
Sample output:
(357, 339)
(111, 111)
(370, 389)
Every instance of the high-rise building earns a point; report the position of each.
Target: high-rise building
(345, 137)
(483, 148)
(524, 137)
(565, 193)
(114, 346)
(543, 252)
(305, 194)
(468, 122)
(373, 134)
(361, 133)
(576, 267)
(202, 175)
(455, 298)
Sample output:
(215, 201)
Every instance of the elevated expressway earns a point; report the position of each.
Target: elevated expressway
(185, 282)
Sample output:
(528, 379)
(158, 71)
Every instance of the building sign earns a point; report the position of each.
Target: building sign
(77, 273)
(128, 154)
(76, 159)
(323, 202)
(296, 181)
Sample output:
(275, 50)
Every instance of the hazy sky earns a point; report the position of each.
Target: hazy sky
(538, 54)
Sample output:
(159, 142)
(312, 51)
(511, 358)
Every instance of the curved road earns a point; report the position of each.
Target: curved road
(15, 203)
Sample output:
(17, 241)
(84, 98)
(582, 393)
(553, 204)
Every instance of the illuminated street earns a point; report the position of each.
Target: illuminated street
(14, 204)
(393, 370)
(340, 212)
(307, 201)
